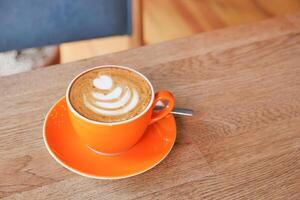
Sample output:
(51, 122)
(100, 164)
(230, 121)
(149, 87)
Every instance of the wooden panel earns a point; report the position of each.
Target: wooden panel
(89, 48)
(243, 142)
(170, 19)
(137, 23)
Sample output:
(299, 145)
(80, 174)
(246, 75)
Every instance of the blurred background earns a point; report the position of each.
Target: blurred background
(37, 34)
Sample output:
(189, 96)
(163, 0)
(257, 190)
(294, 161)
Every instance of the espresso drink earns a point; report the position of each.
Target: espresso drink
(110, 94)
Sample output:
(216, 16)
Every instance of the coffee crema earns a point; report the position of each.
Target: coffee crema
(110, 94)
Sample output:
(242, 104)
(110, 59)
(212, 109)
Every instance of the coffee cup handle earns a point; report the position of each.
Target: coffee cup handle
(162, 96)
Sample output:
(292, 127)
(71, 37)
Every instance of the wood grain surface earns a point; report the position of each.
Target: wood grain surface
(243, 142)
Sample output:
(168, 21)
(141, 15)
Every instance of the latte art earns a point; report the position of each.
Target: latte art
(110, 94)
(113, 100)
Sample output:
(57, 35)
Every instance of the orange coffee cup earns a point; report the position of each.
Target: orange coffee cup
(117, 137)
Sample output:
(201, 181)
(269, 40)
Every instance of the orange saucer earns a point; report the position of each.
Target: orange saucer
(66, 148)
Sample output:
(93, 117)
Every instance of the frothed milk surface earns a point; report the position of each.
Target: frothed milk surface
(110, 94)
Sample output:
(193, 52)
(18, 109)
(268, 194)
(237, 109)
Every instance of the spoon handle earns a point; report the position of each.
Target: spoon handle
(178, 111)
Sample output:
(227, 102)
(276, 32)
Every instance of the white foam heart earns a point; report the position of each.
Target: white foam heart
(114, 94)
(116, 104)
(122, 110)
(103, 82)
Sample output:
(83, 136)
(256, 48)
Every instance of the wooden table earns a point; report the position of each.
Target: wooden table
(242, 143)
